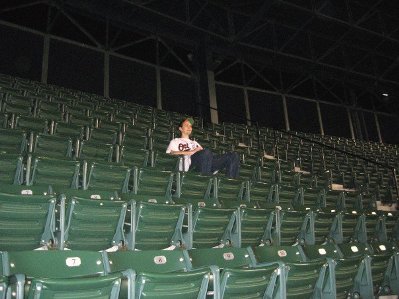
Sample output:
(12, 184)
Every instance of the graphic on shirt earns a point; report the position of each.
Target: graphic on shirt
(183, 147)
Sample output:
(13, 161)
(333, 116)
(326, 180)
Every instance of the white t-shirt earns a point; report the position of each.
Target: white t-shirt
(182, 145)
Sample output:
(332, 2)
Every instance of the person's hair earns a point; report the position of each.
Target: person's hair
(190, 120)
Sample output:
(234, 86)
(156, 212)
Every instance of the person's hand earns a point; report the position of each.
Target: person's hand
(197, 149)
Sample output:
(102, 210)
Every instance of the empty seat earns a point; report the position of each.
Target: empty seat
(353, 274)
(109, 177)
(26, 221)
(385, 269)
(176, 285)
(196, 189)
(322, 223)
(32, 124)
(156, 261)
(52, 174)
(348, 227)
(291, 227)
(11, 170)
(214, 227)
(227, 257)
(13, 142)
(260, 194)
(94, 151)
(267, 281)
(131, 156)
(257, 226)
(93, 224)
(61, 274)
(230, 192)
(152, 185)
(53, 146)
(155, 226)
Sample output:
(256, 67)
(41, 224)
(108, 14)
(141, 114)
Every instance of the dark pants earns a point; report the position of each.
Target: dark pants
(206, 162)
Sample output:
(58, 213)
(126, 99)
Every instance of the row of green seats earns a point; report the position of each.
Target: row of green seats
(34, 221)
(349, 270)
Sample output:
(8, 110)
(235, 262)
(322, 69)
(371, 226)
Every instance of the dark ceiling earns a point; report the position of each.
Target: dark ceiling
(340, 43)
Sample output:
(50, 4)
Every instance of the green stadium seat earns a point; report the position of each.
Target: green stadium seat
(226, 257)
(13, 142)
(94, 151)
(305, 278)
(163, 161)
(176, 285)
(100, 135)
(348, 227)
(152, 185)
(197, 189)
(108, 177)
(72, 131)
(353, 273)
(385, 269)
(230, 192)
(52, 174)
(291, 227)
(131, 156)
(65, 273)
(214, 227)
(93, 224)
(156, 226)
(32, 124)
(260, 194)
(26, 222)
(53, 146)
(155, 261)
(375, 227)
(288, 195)
(267, 281)
(257, 226)
(321, 252)
(11, 170)
(321, 222)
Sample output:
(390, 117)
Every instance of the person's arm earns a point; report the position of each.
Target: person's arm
(185, 153)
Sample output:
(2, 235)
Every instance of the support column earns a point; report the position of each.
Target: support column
(106, 74)
(350, 123)
(286, 119)
(247, 111)
(158, 78)
(205, 83)
(377, 124)
(212, 97)
(46, 50)
(320, 119)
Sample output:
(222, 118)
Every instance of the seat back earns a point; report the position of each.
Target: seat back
(152, 185)
(264, 282)
(199, 190)
(257, 226)
(155, 261)
(59, 174)
(52, 146)
(11, 170)
(93, 224)
(156, 226)
(227, 257)
(78, 274)
(214, 227)
(108, 177)
(13, 142)
(26, 221)
(193, 284)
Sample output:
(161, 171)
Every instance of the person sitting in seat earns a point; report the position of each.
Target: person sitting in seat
(199, 158)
